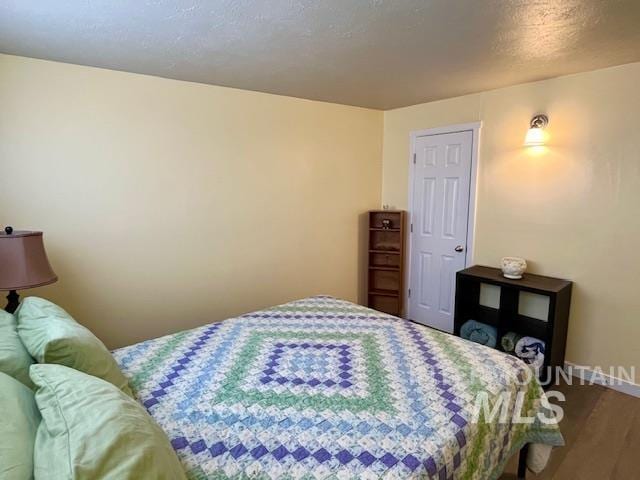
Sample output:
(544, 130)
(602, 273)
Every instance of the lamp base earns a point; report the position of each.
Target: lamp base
(13, 301)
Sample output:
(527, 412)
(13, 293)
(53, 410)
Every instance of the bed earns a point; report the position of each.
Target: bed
(323, 388)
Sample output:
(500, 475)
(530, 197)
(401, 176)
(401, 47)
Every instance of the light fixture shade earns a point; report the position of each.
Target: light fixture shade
(534, 137)
(23, 261)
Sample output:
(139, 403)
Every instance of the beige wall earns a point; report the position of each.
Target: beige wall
(571, 211)
(168, 204)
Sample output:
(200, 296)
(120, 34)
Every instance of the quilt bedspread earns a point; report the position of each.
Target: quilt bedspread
(323, 388)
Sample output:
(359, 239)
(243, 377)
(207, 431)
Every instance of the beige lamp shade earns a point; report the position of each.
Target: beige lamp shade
(23, 261)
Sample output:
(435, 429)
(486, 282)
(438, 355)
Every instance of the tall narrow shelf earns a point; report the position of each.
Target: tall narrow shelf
(555, 294)
(386, 260)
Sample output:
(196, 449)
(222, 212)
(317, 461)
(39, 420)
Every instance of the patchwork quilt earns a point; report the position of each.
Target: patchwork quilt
(322, 388)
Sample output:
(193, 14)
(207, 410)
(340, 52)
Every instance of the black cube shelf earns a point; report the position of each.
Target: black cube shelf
(507, 318)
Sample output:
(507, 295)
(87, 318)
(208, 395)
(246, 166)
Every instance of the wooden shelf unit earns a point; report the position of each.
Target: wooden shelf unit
(506, 318)
(386, 261)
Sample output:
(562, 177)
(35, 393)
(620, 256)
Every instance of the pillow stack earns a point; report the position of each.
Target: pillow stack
(51, 335)
(14, 358)
(20, 420)
(83, 422)
(92, 430)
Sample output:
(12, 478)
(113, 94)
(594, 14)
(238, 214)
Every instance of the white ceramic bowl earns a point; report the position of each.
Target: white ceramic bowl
(513, 267)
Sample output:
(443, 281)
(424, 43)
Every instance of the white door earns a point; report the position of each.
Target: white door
(439, 215)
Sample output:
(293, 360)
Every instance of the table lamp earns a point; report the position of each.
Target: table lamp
(23, 264)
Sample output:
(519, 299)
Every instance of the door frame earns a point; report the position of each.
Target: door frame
(474, 128)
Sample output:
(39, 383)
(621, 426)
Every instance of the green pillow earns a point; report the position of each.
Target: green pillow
(14, 358)
(18, 425)
(91, 429)
(51, 335)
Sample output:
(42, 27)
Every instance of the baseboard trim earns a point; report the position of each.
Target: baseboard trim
(591, 376)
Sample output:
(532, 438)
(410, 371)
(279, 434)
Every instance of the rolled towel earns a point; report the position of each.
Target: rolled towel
(531, 351)
(509, 341)
(479, 332)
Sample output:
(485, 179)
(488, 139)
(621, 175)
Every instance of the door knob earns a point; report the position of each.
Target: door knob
(459, 248)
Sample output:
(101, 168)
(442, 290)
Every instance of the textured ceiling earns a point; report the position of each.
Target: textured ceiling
(372, 53)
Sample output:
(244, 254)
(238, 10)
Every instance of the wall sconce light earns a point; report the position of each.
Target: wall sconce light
(535, 135)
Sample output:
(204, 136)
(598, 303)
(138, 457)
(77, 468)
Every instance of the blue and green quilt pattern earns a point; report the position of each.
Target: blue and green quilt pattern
(321, 388)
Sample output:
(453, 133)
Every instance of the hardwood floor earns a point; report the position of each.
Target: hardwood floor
(601, 428)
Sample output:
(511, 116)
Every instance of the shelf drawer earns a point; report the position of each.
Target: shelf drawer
(390, 305)
(386, 240)
(384, 260)
(384, 280)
